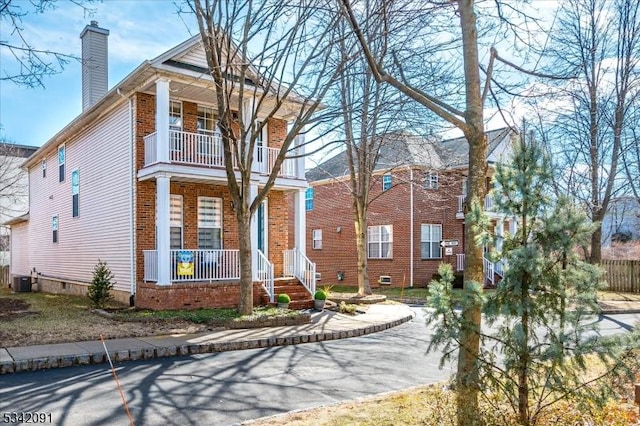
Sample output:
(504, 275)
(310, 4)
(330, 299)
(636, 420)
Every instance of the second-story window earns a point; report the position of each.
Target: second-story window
(308, 199)
(431, 181)
(175, 115)
(261, 139)
(386, 182)
(61, 161)
(75, 193)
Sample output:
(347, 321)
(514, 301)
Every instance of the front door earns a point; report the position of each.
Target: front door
(262, 246)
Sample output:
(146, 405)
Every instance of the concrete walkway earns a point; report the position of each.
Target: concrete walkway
(325, 325)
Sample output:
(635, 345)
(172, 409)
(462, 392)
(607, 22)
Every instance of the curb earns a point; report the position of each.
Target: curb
(8, 365)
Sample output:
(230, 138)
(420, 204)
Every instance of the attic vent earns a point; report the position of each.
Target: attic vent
(384, 280)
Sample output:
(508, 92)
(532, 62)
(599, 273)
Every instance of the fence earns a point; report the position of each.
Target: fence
(622, 275)
(5, 276)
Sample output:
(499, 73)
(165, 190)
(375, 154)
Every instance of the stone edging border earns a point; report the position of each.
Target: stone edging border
(183, 350)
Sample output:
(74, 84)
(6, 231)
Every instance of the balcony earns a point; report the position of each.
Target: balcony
(206, 150)
(488, 206)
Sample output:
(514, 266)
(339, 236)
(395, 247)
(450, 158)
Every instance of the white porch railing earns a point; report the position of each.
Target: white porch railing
(296, 264)
(488, 204)
(265, 274)
(489, 270)
(489, 267)
(199, 149)
(208, 265)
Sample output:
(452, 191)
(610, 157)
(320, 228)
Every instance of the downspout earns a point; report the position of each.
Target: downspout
(132, 263)
(411, 227)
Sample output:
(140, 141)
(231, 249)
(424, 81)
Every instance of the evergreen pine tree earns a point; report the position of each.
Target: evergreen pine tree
(540, 321)
(101, 285)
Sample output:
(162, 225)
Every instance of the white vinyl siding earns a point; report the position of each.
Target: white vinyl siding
(380, 242)
(430, 237)
(103, 230)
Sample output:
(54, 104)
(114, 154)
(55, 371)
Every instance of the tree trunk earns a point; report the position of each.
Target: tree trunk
(245, 304)
(596, 242)
(467, 374)
(360, 224)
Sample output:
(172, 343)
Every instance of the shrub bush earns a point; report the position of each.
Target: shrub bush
(101, 285)
(284, 298)
(320, 295)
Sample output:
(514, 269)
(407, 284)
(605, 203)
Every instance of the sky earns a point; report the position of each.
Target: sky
(139, 30)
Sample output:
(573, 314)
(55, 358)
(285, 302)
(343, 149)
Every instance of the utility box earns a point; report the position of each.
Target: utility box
(21, 284)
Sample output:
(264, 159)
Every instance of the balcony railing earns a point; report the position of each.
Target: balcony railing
(488, 203)
(197, 149)
(207, 265)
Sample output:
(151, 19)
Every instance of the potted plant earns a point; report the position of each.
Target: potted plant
(283, 301)
(319, 297)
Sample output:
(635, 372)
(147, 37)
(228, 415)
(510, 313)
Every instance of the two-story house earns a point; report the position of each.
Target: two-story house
(416, 218)
(137, 180)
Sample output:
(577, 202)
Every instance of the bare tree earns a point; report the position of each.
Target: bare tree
(471, 121)
(599, 41)
(291, 42)
(26, 64)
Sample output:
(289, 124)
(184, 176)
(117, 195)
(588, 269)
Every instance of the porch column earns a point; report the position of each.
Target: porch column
(162, 120)
(163, 230)
(253, 193)
(499, 234)
(300, 231)
(300, 151)
(513, 226)
(248, 112)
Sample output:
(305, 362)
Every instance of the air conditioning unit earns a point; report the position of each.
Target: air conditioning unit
(384, 280)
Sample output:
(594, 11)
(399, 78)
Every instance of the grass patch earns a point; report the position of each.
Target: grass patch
(205, 315)
(613, 296)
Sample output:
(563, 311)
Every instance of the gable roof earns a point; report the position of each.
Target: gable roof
(404, 149)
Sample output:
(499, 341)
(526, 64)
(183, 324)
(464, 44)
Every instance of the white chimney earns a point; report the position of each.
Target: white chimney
(94, 64)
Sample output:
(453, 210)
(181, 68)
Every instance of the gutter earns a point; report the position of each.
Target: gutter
(411, 227)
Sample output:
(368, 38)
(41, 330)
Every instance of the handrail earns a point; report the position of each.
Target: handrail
(265, 274)
(296, 264)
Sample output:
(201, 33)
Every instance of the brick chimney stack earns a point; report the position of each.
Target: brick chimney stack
(94, 64)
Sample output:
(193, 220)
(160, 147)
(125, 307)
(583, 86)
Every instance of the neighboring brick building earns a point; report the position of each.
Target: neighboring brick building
(138, 180)
(418, 192)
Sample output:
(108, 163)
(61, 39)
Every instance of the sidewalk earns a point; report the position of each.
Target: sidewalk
(325, 325)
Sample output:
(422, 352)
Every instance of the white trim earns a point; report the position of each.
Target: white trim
(163, 243)
(253, 193)
(411, 230)
(162, 119)
(300, 221)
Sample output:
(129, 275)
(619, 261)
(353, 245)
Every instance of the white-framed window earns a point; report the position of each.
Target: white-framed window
(54, 228)
(75, 193)
(431, 180)
(317, 239)
(175, 115)
(209, 223)
(175, 222)
(430, 237)
(386, 181)
(465, 185)
(61, 160)
(44, 168)
(261, 141)
(380, 242)
(308, 199)
(206, 124)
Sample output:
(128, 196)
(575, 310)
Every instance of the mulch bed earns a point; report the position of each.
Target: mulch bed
(11, 308)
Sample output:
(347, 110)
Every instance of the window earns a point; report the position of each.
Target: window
(175, 222)
(75, 192)
(61, 160)
(209, 223)
(261, 138)
(308, 199)
(175, 115)
(430, 238)
(44, 168)
(465, 185)
(317, 239)
(431, 181)
(380, 241)
(54, 227)
(386, 182)
(206, 120)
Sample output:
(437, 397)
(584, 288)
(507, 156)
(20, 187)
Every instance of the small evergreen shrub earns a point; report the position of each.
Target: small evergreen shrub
(320, 295)
(101, 285)
(284, 298)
